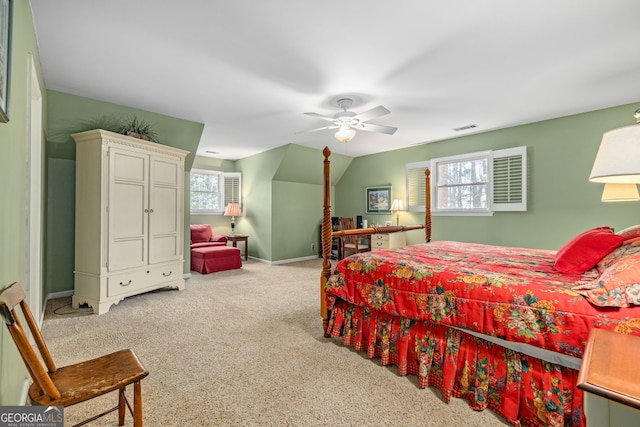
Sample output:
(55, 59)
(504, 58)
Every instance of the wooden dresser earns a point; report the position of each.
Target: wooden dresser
(610, 379)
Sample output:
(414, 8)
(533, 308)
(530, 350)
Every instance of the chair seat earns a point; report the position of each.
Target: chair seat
(86, 380)
(361, 246)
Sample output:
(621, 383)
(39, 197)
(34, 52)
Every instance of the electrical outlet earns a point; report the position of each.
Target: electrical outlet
(313, 246)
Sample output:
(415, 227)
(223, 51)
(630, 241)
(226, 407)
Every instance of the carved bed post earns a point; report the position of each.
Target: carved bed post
(427, 207)
(328, 233)
(326, 237)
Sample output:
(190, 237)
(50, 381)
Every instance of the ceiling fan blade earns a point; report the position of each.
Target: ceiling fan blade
(322, 128)
(370, 127)
(320, 116)
(378, 111)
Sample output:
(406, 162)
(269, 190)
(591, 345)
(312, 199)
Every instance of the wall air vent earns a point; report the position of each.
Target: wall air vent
(465, 128)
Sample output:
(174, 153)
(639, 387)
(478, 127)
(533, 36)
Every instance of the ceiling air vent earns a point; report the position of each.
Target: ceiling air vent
(465, 128)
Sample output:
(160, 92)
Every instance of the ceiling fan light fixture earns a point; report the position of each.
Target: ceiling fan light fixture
(345, 133)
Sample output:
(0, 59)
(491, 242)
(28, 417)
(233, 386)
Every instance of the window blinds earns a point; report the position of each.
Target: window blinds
(232, 188)
(416, 186)
(510, 179)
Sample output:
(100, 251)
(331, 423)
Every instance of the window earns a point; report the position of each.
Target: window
(211, 191)
(471, 184)
(461, 183)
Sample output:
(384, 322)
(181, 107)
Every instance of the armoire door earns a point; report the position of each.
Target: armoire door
(127, 209)
(165, 209)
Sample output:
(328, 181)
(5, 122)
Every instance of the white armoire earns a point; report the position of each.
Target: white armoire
(129, 218)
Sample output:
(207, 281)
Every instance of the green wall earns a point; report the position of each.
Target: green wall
(281, 200)
(66, 113)
(14, 141)
(561, 200)
(282, 188)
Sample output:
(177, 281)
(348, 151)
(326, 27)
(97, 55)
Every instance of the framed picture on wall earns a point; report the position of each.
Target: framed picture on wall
(378, 200)
(5, 57)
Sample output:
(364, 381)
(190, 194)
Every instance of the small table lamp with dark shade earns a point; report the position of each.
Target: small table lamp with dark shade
(233, 210)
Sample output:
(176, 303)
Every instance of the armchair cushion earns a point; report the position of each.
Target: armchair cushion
(202, 236)
(201, 233)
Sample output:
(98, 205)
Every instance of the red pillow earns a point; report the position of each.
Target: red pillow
(200, 233)
(585, 250)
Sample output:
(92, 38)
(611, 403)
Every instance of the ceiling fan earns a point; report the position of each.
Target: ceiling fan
(347, 122)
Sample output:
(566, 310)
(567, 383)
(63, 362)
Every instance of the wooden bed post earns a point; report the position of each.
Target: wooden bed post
(427, 207)
(328, 233)
(326, 238)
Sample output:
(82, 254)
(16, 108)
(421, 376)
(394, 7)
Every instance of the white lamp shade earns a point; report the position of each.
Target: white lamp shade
(618, 158)
(620, 192)
(396, 205)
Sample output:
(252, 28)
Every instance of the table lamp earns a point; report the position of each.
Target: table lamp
(233, 210)
(396, 207)
(618, 158)
(620, 192)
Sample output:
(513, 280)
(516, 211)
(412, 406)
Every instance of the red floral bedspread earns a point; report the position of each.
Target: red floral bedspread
(509, 293)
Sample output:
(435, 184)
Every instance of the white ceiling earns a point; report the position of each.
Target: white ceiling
(249, 69)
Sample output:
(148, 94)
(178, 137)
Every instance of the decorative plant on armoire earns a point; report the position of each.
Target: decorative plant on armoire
(131, 126)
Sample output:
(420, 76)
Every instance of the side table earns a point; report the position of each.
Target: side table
(235, 238)
(610, 379)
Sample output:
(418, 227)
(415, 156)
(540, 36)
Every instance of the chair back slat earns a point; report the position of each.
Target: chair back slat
(10, 297)
(347, 224)
(352, 243)
(37, 336)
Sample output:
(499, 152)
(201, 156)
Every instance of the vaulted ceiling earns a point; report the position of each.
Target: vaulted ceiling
(249, 69)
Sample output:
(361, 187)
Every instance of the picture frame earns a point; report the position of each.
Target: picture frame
(378, 200)
(6, 21)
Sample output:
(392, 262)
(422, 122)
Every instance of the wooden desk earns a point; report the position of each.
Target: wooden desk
(611, 380)
(235, 238)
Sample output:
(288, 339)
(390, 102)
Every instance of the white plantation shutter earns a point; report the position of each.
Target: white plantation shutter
(232, 188)
(416, 186)
(510, 179)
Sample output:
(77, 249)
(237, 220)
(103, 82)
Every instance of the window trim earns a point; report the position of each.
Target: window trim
(223, 198)
(478, 155)
(415, 183)
(220, 196)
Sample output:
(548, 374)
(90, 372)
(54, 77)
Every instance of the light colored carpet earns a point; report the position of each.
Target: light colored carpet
(245, 348)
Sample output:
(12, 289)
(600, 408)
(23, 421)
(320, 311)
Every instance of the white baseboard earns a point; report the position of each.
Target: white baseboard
(24, 395)
(61, 294)
(290, 260)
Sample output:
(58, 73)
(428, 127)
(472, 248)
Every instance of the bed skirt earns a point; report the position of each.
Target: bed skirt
(526, 391)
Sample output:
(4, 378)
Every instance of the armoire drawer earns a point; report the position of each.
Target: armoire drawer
(142, 278)
(127, 282)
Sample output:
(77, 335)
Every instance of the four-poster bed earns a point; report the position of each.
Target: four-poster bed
(497, 326)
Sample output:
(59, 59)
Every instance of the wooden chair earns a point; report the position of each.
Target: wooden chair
(353, 244)
(76, 383)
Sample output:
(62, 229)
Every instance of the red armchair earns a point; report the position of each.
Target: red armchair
(202, 236)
